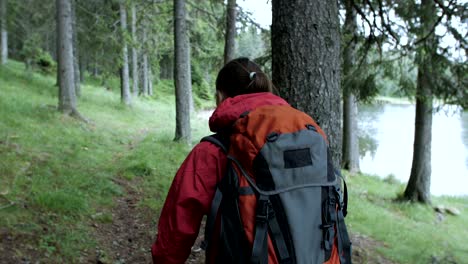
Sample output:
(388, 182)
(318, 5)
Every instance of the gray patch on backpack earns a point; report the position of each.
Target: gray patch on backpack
(308, 170)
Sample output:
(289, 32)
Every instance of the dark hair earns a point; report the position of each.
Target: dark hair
(242, 76)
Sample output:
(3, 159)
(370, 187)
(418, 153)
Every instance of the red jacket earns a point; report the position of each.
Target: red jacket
(194, 185)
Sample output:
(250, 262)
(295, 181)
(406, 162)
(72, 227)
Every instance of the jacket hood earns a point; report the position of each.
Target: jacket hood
(230, 109)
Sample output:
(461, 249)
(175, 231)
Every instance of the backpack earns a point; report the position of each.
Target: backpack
(280, 200)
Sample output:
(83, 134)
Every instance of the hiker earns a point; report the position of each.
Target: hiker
(241, 88)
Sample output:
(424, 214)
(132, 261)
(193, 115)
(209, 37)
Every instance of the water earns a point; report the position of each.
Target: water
(388, 146)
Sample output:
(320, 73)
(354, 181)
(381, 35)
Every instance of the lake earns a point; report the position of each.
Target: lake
(387, 147)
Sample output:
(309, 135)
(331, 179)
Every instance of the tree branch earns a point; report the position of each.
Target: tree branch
(386, 26)
(439, 20)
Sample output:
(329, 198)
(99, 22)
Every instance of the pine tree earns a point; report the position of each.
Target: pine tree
(182, 76)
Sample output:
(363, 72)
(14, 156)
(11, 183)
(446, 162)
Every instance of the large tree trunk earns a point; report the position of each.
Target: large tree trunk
(134, 52)
(3, 32)
(124, 85)
(230, 36)
(419, 184)
(65, 72)
(350, 159)
(305, 40)
(183, 85)
(76, 67)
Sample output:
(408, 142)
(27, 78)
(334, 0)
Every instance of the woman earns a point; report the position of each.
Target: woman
(240, 86)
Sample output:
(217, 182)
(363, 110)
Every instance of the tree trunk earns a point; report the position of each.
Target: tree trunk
(124, 85)
(145, 74)
(230, 36)
(150, 80)
(305, 40)
(3, 32)
(134, 52)
(419, 184)
(145, 63)
(95, 65)
(65, 72)
(183, 85)
(82, 65)
(350, 159)
(418, 188)
(76, 66)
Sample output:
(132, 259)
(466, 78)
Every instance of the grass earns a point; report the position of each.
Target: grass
(57, 171)
(60, 172)
(410, 233)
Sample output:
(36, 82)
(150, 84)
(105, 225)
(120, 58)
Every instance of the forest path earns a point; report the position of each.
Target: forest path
(128, 238)
(130, 230)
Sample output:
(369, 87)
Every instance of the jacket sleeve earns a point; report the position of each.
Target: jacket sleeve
(189, 198)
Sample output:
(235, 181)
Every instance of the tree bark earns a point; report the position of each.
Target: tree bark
(350, 159)
(82, 65)
(230, 36)
(150, 80)
(305, 40)
(3, 31)
(134, 52)
(65, 74)
(145, 64)
(76, 67)
(419, 184)
(145, 74)
(124, 85)
(183, 85)
(95, 65)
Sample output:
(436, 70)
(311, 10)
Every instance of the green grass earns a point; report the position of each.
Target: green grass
(58, 171)
(410, 233)
(59, 174)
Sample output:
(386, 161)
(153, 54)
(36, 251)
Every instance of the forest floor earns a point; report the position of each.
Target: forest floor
(129, 237)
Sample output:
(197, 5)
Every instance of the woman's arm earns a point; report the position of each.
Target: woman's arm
(188, 200)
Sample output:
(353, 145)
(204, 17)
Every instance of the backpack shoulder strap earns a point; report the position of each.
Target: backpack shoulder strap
(220, 140)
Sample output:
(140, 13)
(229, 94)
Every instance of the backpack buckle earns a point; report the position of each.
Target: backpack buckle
(262, 218)
(263, 210)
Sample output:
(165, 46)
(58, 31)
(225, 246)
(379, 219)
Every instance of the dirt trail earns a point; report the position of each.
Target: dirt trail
(129, 237)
